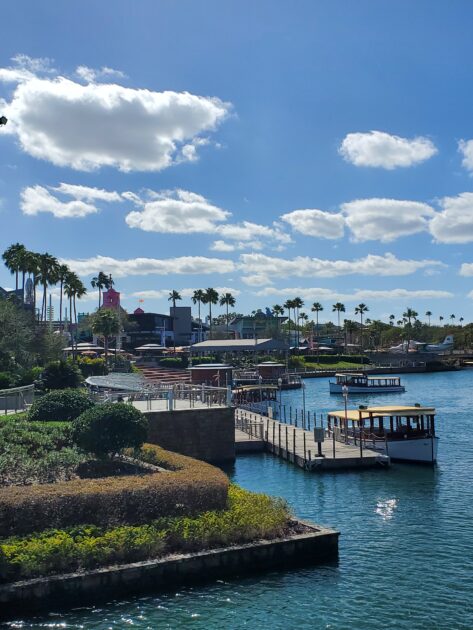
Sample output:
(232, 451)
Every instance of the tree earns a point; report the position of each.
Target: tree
(278, 311)
(350, 328)
(360, 310)
(13, 260)
(62, 273)
(174, 296)
(298, 303)
(105, 323)
(16, 334)
(428, 314)
(391, 320)
(410, 314)
(48, 275)
(210, 297)
(441, 319)
(452, 317)
(198, 299)
(227, 300)
(338, 308)
(73, 289)
(31, 263)
(288, 305)
(100, 281)
(461, 320)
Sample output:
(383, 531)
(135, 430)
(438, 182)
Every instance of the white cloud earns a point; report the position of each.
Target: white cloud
(383, 150)
(36, 199)
(357, 294)
(386, 219)
(221, 246)
(260, 269)
(185, 293)
(25, 68)
(316, 223)
(91, 74)
(87, 193)
(90, 126)
(146, 266)
(180, 212)
(466, 270)
(184, 212)
(455, 223)
(466, 149)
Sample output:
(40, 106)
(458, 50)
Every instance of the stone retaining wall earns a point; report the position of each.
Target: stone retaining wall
(72, 590)
(206, 434)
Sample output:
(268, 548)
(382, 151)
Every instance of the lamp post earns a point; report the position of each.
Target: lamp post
(280, 397)
(303, 402)
(345, 398)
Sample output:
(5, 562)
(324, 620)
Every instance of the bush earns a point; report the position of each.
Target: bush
(29, 376)
(174, 362)
(109, 428)
(203, 360)
(6, 380)
(91, 367)
(65, 404)
(247, 517)
(61, 375)
(296, 362)
(336, 358)
(191, 488)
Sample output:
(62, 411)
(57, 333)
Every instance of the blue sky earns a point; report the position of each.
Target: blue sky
(274, 149)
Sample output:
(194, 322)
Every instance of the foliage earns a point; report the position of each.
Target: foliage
(35, 453)
(296, 362)
(191, 488)
(336, 358)
(247, 517)
(109, 428)
(48, 345)
(174, 362)
(203, 360)
(64, 404)
(91, 367)
(61, 375)
(7, 379)
(16, 334)
(105, 323)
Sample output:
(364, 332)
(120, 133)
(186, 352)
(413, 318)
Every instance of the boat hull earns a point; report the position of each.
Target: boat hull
(420, 450)
(335, 388)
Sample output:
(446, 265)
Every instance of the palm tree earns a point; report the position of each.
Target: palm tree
(441, 319)
(298, 303)
(428, 314)
(105, 323)
(71, 282)
(227, 300)
(100, 281)
(13, 257)
(461, 320)
(391, 320)
(399, 322)
(409, 315)
(305, 318)
(174, 296)
(350, 327)
(452, 317)
(31, 262)
(278, 311)
(62, 273)
(316, 308)
(48, 275)
(210, 297)
(288, 305)
(338, 308)
(198, 298)
(360, 310)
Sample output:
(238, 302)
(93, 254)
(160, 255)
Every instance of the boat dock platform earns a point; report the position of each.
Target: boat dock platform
(254, 432)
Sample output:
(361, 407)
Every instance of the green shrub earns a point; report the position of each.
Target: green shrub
(61, 375)
(109, 428)
(7, 379)
(203, 360)
(190, 488)
(29, 376)
(174, 362)
(92, 367)
(64, 404)
(247, 517)
(296, 362)
(336, 358)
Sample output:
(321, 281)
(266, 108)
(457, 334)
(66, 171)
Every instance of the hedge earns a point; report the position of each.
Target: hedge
(192, 487)
(174, 362)
(63, 404)
(335, 358)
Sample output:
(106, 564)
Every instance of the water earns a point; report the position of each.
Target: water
(406, 558)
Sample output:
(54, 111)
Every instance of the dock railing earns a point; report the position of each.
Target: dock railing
(16, 399)
(174, 395)
(249, 423)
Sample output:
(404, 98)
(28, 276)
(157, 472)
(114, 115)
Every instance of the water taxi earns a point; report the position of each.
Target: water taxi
(256, 398)
(363, 384)
(402, 433)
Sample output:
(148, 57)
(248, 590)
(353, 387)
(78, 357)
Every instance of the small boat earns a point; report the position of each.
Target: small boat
(256, 398)
(402, 433)
(363, 384)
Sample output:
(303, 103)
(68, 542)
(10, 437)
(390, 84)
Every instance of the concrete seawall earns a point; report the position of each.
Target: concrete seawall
(64, 591)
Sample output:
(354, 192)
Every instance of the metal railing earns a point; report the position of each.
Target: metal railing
(169, 396)
(249, 423)
(16, 399)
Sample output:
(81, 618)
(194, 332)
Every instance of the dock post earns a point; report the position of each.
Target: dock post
(267, 429)
(333, 440)
(285, 419)
(305, 453)
(279, 439)
(274, 437)
(290, 415)
(287, 445)
(308, 420)
(294, 445)
(296, 418)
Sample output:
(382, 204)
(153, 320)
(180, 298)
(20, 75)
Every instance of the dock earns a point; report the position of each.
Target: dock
(301, 446)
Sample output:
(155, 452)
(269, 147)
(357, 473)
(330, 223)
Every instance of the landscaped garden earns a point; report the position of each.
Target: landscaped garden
(80, 488)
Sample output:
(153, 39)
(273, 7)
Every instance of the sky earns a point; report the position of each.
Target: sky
(273, 149)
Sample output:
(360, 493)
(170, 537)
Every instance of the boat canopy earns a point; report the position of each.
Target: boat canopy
(389, 410)
(248, 388)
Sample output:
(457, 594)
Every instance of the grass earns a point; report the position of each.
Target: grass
(248, 517)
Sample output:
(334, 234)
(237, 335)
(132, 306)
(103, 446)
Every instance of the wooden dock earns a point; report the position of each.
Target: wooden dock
(299, 446)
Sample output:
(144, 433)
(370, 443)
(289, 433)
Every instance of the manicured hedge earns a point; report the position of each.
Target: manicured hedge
(174, 362)
(192, 487)
(63, 404)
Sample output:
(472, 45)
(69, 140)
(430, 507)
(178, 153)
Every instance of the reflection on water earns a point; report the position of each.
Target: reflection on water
(405, 549)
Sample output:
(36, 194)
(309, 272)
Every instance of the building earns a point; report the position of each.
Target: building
(159, 328)
(239, 346)
(256, 326)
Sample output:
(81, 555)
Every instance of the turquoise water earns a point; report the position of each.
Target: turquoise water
(406, 549)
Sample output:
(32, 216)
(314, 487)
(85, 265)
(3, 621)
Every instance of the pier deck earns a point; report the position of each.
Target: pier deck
(298, 446)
